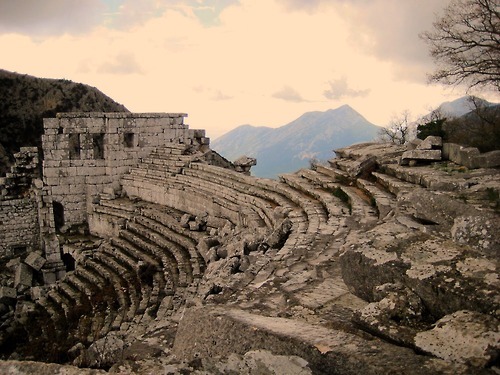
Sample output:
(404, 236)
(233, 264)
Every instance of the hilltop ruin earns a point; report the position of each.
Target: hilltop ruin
(130, 245)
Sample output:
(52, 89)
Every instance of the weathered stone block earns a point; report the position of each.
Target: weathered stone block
(38, 292)
(35, 261)
(464, 336)
(49, 277)
(488, 160)
(430, 143)
(430, 155)
(24, 276)
(7, 294)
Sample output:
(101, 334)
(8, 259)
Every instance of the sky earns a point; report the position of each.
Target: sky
(232, 62)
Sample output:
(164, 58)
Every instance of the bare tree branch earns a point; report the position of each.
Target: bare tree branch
(465, 43)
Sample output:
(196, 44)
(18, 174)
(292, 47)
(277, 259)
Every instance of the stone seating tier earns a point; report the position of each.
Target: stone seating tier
(179, 241)
(238, 194)
(142, 236)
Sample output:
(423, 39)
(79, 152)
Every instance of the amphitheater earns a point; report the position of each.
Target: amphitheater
(129, 246)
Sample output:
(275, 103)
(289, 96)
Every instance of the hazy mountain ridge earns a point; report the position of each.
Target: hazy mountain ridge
(462, 106)
(25, 100)
(313, 135)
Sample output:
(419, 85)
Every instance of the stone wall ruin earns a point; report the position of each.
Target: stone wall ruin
(85, 153)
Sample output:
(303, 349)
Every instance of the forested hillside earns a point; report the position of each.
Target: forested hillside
(26, 100)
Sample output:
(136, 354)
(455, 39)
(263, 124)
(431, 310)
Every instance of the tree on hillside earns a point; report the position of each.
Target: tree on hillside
(398, 130)
(432, 124)
(479, 128)
(465, 43)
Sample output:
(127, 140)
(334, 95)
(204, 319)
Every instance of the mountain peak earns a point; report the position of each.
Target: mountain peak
(291, 146)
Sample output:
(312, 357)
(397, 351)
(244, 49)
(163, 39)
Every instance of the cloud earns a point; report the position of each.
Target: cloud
(386, 29)
(49, 17)
(167, 59)
(123, 63)
(218, 96)
(289, 94)
(339, 89)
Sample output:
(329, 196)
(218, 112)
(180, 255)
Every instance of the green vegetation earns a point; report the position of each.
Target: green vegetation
(450, 167)
(434, 127)
(26, 100)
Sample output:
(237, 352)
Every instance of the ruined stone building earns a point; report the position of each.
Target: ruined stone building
(129, 244)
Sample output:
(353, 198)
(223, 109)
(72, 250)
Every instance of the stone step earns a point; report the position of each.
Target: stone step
(130, 283)
(169, 239)
(381, 199)
(108, 323)
(261, 192)
(228, 198)
(334, 174)
(92, 277)
(360, 205)
(145, 251)
(160, 171)
(142, 179)
(52, 311)
(323, 187)
(134, 252)
(121, 255)
(111, 211)
(175, 273)
(119, 204)
(161, 245)
(393, 184)
(166, 220)
(54, 307)
(62, 301)
(255, 187)
(304, 185)
(427, 176)
(131, 287)
(71, 293)
(82, 284)
(117, 282)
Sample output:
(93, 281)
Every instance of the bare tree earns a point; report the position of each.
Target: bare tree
(398, 130)
(465, 43)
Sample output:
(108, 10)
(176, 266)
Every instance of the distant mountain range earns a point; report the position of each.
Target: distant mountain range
(25, 100)
(459, 107)
(288, 148)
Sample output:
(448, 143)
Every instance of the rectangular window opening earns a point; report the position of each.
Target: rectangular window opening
(98, 145)
(18, 250)
(128, 140)
(74, 146)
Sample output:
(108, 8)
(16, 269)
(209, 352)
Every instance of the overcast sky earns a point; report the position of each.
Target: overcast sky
(232, 62)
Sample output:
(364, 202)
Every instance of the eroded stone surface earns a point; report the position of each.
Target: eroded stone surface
(464, 336)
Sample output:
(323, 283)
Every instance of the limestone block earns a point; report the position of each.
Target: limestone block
(14, 263)
(35, 261)
(464, 336)
(417, 154)
(7, 294)
(430, 143)
(24, 276)
(38, 292)
(468, 157)
(49, 277)
(488, 160)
